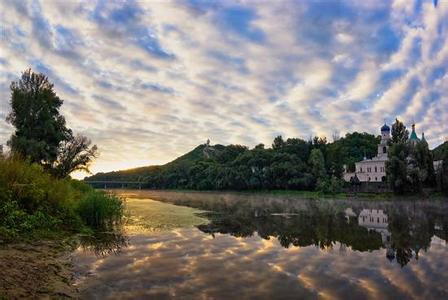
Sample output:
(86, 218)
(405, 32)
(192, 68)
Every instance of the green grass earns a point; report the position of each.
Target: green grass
(35, 205)
(98, 209)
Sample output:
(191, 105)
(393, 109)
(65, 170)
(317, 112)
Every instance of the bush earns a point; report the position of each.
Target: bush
(99, 210)
(331, 185)
(33, 201)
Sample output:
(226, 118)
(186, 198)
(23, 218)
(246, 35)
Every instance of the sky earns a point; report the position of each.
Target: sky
(148, 81)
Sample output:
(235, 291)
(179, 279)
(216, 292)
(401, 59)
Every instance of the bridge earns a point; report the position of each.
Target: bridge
(115, 184)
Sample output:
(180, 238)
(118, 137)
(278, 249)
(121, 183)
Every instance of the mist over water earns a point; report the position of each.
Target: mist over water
(224, 245)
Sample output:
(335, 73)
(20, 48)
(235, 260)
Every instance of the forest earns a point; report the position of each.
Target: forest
(289, 164)
(294, 163)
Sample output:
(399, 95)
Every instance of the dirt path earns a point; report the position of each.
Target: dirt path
(36, 270)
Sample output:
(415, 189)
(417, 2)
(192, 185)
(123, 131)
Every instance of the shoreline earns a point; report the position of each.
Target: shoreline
(389, 196)
(37, 269)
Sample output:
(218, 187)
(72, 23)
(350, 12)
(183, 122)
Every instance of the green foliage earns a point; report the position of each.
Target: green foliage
(33, 202)
(396, 167)
(400, 134)
(41, 135)
(317, 164)
(410, 165)
(285, 166)
(350, 149)
(278, 143)
(99, 210)
(332, 185)
(35, 115)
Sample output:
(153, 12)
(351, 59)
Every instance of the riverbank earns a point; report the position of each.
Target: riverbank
(296, 194)
(37, 269)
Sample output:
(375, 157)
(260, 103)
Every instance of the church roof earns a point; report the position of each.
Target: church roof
(413, 136)
(385, 128)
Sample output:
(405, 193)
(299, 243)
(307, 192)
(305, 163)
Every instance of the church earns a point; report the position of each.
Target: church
(374, 169)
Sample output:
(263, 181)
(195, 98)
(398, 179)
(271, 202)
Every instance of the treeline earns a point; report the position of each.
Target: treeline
(293, 163)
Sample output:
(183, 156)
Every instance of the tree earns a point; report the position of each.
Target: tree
(39, 127)
(40, 133)
(401, 168)
(425, 162)
(396, 167)
(75, 154)
(399, 133)
(278, 143)
(317, 164)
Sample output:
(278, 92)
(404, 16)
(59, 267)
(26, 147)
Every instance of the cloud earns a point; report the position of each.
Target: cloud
(185, 71)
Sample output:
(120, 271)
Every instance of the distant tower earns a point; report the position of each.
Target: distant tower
(208, 142)
(385, 137)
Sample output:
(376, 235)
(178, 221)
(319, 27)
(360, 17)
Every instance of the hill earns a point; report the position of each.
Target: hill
(287, 165)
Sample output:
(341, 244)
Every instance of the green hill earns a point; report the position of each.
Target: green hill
(284, 166)
(144, 173)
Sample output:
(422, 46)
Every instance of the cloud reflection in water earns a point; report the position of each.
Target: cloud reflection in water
(244, 255)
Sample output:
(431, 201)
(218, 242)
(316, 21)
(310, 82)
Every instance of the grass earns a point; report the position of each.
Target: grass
(99, 210)
(33, 204)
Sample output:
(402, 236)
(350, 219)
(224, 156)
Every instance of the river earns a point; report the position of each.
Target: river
(179, 245)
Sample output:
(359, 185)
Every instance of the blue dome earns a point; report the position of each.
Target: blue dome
(385, 128)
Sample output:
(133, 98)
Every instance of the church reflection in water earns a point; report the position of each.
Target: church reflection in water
(402, 229)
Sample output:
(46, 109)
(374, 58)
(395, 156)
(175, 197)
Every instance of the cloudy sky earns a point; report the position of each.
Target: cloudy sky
(149, 80)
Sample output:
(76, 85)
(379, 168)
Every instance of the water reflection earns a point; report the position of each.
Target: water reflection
(266, 248)
(403, 229)
(104, 243)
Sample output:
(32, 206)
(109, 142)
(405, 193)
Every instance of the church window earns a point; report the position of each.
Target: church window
(376, 169)
(384, 149)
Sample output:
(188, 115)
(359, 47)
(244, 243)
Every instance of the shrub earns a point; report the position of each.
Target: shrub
(331, 185)
(99, 209)
(31, 200)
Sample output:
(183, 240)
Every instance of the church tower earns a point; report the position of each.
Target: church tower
(413, 137)
(385, 137)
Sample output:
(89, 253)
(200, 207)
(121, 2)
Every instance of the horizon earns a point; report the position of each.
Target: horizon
(155, 80)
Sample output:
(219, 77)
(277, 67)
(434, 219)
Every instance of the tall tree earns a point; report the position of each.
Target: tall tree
(317, 164)
(425, 162)
(39, 127)
(401, 168)
(40, 133)
(397, 167)
(399, 133)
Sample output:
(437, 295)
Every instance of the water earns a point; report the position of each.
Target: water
(242, 246)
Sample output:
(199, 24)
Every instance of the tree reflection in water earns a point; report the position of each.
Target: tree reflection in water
(404, 229)
(104, 243)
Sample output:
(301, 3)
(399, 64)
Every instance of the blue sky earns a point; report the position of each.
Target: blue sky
(149, 80)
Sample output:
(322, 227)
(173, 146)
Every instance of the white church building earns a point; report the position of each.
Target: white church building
(374, 169)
